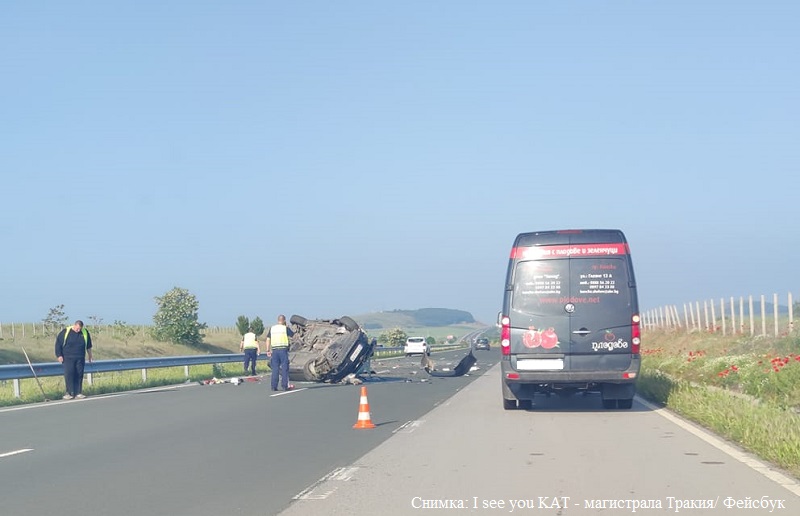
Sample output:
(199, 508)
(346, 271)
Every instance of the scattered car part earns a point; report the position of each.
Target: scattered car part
(460, 369)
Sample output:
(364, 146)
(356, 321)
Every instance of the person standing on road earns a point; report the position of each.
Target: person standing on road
(251, 350)
(73, 345)
(278, 353)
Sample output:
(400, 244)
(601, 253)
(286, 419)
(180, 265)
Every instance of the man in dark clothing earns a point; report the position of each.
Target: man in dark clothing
(73, 345)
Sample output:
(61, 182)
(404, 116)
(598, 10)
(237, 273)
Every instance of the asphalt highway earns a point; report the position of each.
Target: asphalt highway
(206, 450)
(439, 444)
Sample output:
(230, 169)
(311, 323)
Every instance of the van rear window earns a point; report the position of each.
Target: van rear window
(542, 287)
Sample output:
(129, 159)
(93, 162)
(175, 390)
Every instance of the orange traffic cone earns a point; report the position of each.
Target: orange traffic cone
(364, 420)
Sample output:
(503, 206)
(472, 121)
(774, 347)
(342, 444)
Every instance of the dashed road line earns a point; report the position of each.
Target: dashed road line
(313, 492)
(15, 452)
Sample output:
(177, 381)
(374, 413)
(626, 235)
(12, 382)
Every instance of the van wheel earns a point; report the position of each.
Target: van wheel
(509, 404)
(609, 404)
(625, 404)
(525, 404)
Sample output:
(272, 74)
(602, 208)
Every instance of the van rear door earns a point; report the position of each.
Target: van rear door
(573, 301)
(601, 304)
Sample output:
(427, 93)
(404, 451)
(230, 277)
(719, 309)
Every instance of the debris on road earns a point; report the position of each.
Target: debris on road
(464, 366)
(234, 381)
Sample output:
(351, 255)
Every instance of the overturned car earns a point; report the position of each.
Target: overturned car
(326, 350)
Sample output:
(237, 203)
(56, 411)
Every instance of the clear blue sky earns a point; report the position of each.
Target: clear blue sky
(337, 158)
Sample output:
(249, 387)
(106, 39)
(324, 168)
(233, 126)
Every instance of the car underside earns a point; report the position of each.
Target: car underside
(326, 350)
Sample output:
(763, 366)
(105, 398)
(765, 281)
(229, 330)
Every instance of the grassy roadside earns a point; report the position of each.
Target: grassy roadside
(742, 388)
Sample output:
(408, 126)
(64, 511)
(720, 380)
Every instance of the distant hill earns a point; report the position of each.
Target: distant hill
(423, 317)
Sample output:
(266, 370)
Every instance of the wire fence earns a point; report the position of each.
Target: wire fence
(728, 316)
(15, 330)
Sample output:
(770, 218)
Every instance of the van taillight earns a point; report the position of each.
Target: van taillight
(636, 334)
(505, 335)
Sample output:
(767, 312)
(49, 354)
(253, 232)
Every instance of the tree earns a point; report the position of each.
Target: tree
(95, 323)
(242, 324)
(56, 319)
(393, 338)
(258, 326)
(176, 318)
(122, 330)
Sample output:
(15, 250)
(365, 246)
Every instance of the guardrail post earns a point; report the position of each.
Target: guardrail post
(16, 388)
(144, 375)
(186, 371)
(89, 378)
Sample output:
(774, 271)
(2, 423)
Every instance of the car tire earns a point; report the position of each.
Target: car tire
(348, 323)
(625, 403)
(509, 404)
(308, 372)
(298, 320)
(609, 404)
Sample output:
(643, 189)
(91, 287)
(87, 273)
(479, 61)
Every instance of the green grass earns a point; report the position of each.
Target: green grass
(115, 381)
(744, 389)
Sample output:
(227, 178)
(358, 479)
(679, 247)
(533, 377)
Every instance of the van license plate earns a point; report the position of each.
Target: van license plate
(540, 364)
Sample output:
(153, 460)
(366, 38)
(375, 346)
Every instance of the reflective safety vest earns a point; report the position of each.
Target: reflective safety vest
(249, 341)
(278, 338)
(83, 331)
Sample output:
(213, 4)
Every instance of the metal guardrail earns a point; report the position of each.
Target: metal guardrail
(14, 372)
(17, 372)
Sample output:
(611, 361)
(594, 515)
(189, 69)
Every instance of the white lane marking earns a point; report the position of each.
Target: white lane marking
(287, 392)
(345, 474)
(717, 442)
(339, 474)
(15, 452)
(408, 427)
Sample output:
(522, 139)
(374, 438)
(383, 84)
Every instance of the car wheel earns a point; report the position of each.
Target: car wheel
(609, 404)
(625, 404)
(348, 323)
(298, 320)
(309, 372)
(509, 404)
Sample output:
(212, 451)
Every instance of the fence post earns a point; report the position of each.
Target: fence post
(733, 317)
(713, 317)
(741, 315)
(763, 316)
(775, 311)
(697, 309)
(686, 318)
(722, 316)
(791, 314)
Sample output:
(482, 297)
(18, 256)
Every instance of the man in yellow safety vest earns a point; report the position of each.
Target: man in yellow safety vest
(278, 353)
